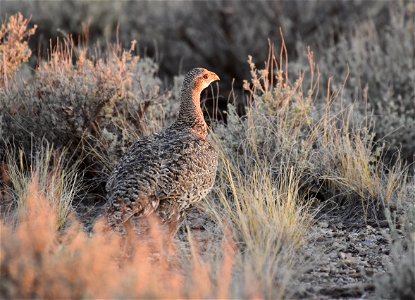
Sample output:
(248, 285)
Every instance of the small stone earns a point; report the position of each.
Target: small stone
(320, 239)
(369, 243)
(350, 261)
(323, 224)
(369, 271)
(385, 251)
(340, 225)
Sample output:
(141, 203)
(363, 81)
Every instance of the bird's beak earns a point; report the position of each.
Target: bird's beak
(214, 76)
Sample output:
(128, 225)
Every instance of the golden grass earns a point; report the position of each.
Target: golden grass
(353, 164)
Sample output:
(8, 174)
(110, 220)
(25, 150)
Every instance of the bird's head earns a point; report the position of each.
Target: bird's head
(199, 79)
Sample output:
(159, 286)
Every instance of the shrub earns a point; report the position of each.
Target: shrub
(379, 63)
(179, 37)
(106, 100)
(14, 50)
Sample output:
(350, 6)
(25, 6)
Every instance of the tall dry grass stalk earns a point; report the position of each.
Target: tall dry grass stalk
(57, 177)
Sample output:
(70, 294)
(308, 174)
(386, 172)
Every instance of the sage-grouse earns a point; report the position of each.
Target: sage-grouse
(165, 173)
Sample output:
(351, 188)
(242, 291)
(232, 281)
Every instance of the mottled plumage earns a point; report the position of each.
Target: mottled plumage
(166, 172)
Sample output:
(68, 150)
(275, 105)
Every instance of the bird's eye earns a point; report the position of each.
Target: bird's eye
(205, 76)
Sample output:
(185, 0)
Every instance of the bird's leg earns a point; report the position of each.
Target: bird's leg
(120, 221)
(129, 228)
(174, 225)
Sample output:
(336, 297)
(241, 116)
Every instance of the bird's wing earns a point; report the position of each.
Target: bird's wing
(183, 159)
(134, 155)
(132, 186)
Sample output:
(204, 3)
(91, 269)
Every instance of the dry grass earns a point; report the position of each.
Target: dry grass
(58, 178)
(268, 220)
(69, 264)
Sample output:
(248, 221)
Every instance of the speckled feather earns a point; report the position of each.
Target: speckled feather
(166, 172)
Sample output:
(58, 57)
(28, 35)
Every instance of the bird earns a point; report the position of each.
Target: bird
(163, 174)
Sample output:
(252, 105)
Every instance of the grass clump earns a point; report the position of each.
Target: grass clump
(268, 221)
(57, 178)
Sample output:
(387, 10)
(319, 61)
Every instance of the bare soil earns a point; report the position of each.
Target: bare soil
(345, 260)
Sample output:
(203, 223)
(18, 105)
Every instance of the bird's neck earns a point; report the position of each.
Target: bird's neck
(190, 113)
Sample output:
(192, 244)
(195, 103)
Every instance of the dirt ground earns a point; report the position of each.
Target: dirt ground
(346, 260)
